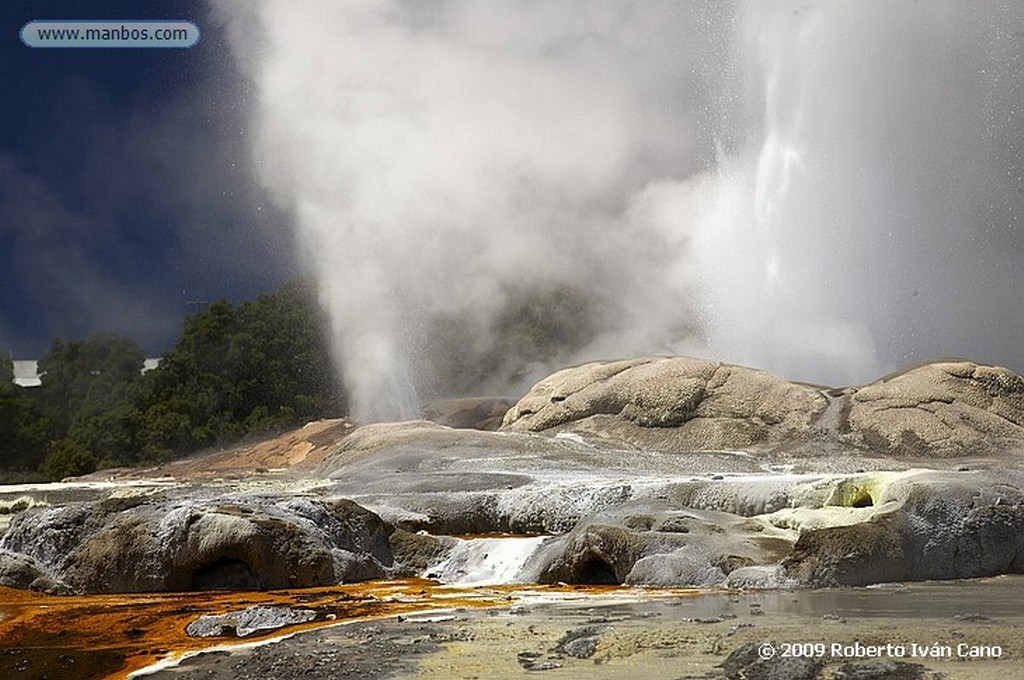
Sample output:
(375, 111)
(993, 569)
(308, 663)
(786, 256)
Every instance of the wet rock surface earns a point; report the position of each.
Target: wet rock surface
(928, 525)
(256, 542)
(24, 572)
(653, 542)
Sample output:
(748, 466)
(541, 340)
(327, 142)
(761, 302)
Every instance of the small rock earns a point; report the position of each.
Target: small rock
(735, 629)
(880, 669)
(581, 648)
(531, 662)
(526, 658)
(746, 663)
(970, 616)
(247, 621)
(581, 642)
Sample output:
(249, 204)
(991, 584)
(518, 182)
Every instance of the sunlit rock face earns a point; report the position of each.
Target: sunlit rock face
(670, 404)
(949, 408)
(940, 409)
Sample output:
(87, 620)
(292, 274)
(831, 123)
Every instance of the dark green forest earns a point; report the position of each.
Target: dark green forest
(237, 371)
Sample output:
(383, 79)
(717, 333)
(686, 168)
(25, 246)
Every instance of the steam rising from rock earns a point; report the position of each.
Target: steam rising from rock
(783, 185)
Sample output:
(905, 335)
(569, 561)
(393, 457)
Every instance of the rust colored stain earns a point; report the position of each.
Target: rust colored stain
(108, 636)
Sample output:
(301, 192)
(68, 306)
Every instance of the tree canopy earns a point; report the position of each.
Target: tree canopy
(260, 367)
(6, 371)
(236, 371)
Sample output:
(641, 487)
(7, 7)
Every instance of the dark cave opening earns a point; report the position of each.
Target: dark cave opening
(864, 500)
(224, 574)
(596, 571)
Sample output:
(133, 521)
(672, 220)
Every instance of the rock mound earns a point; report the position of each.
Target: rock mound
(142, 545)
(947, 408)
(669, 404)
(673, 404)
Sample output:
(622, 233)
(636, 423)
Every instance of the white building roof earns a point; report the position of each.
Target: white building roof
(26, 371)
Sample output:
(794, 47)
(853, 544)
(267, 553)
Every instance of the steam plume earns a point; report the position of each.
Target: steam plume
(803, 188)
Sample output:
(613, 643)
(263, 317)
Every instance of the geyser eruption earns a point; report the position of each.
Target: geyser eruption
(805, 188)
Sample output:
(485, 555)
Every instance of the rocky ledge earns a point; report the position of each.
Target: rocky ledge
(656, 471)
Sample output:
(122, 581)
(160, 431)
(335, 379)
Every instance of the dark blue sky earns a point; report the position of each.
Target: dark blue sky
(125, 189)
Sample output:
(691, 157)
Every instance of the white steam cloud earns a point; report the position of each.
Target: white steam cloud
(783, 185)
